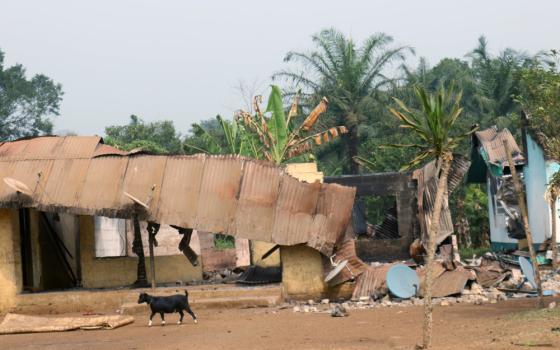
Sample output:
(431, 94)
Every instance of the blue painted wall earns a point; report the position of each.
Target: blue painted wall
(536, 173)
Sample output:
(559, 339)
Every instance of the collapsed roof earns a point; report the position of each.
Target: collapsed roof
(488, 152)
(242, 197)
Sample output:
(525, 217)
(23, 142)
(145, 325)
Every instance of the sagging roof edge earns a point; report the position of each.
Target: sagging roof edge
(328, 214)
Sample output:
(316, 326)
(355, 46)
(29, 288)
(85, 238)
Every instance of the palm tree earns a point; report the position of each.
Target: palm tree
(433, 124)
(351, 77)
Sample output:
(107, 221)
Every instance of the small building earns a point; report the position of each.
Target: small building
(66, 205)
(535, 168)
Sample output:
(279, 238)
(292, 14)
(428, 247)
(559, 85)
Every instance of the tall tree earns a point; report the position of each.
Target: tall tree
(26, 105)
(434, 126)
(350, 76)
(157, 137)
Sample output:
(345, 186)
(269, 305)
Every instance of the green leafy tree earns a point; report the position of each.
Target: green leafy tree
(222, 137)
(157, 137)
(26, 105)
(352, 77)
(434, 127)
(281, 138)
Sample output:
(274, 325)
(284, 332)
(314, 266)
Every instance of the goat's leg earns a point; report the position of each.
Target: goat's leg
(181, 314)
(189, 311)
(151, 316)
(162, 319)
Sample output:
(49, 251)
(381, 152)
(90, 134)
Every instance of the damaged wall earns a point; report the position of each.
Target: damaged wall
(10, 259)
(114, 272)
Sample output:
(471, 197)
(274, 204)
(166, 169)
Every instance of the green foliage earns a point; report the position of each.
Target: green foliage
(352, 78)
(157, 137)
(222, 241)
(26, 105)
(281, 138)
(467, 253)
(540, 96)
(433, 124)
(221, 137)
(474, 207)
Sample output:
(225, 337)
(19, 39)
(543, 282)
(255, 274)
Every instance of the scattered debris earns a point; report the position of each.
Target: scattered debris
(339, 311)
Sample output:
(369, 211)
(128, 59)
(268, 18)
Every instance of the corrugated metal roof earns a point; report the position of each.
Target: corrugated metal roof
(230, 194)
(427, 187)
(492, 142)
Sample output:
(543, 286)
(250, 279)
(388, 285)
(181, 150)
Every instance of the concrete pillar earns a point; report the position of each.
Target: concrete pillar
(302, 272)
(10, 260)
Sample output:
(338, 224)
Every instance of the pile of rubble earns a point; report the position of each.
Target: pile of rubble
(488, 279)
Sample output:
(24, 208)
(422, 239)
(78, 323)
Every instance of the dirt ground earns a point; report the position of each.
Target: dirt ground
(507, 325)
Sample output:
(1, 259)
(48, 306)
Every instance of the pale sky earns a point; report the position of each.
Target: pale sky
(181, 60)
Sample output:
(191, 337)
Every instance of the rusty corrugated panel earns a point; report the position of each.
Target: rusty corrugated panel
(77, 147)
(427, 188)
(450, 282)
(459, 167)
(106, 150)
(202, 192)
(180, 190)
(295, 208)
(347, 251)
(65, 183)
(492, 141)
(49, 147)
(33, 173)
(372, 281)
(143, 179)
(102, 191)
(257, 201)
(219, 189)
(328, 221)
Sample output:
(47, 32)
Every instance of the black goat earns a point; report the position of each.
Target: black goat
(167, 305)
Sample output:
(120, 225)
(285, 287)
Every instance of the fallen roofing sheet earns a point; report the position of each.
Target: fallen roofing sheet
(427, 188)
(373, 282)
(242, 197)
(492, 142)
(15, 323)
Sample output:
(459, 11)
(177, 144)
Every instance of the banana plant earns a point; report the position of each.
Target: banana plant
(281, 139)
(237, 140)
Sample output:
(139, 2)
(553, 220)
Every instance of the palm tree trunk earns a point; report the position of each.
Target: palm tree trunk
(553, 214)
(353, 141)
(432, 236)
(523, 208)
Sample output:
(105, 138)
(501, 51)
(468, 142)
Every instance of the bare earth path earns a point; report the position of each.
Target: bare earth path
(491, 326)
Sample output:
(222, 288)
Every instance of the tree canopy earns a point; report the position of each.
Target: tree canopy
(26, 105)
(156, 137)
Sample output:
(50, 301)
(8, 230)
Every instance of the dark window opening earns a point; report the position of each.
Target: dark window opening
(376, 217)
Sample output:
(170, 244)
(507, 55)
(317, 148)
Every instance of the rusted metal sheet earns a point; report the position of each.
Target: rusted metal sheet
(492, 141)
(70, 175)
(347, 251)
(372, 282)
(50, 147)
(143, 180)
(180, 190)
(295, 208)
(328, 222)
(426, 196)
(32, 173)
(450, 282)
(106, 150)
(102, 191)
(229, 194)
(219, 189)
(257, 201)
